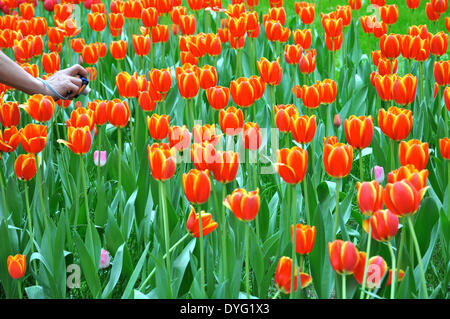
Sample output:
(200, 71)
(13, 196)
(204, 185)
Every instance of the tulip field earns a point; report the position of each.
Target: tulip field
(261, 149)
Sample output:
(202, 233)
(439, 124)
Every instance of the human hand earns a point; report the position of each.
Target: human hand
(66, 82)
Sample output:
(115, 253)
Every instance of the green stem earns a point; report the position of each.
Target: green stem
(29, 223)
(294, 77)
(166, 235)
(419, 256)
(83, 176)
(224, 236)
(5, 206)
(308, 217)
(255, 185)
(344, 288)
(276, 295)
(400, 248)
(39, 181)
(19, 289)
(191, 111)
(448, 186)
(336, 217)
(202, 252)
(247, 261)
(394, 270)
(392, 155)
(294, 239)
(99, 152)
(361, 171)
(119, 163)
(145, 282)
(366, 266)
(328, 120)
(238, 63)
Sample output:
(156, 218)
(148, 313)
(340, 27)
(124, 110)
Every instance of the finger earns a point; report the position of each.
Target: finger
(76, 69)
(76, 80)
(71, 90)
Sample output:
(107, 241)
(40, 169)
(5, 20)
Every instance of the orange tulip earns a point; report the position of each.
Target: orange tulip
(69, 26)
(177, 13)
(421, 49)
(413, 152)
(251, 136)
(332, 26)
(50, 62)
(213, 44)
(31, 69)
(306, 12)
(77, 45)
(98, 7)
(218, 97)
(412, 174)
(81, 117)
(337, 158)
(162, 161)
(328, 91)
(99, 111)
(26, 10)
(97, 21)
(116, 22)
(33, 138)
(40, 107)
(376, 269)
(367, 23)
(187, 24)
(207, 77)
(293, 53)
(197, 186)
(9, 140)
(205, 133)
(379, 29)
(141, 44)
(179, 137)
(17, 266)
(311, 95)
(355, 4)
(149, 17)
(413, 4)
(389, 13)
(80, 140)
(130, 85)
(23, 50)
(390, 45)
(439, 44)
(259, 86)
(242, 92)
(55, 35)
(132, 9)
(62, 11)
(118, 49)
(305, 238)
(118, 113)
(9, 114)
(344, 256)
(395, 123)
(243, 204)
(193, 223)
(359, 131)
(384, 85)
(161, 80)
(164, 6)
(307, 62)
(90, 53)
(447, 24)
(187, 80)
(283, 276)
(283, 114)
(442, 72)
(444, 147)
(369, 197)
(402, 198)
(303, 128)
(225, 166)
(158, 126)
(386, 66)
(439, 6)
(420, 31)
(38, 26)
(333, 44)
(345, 13)
(404, 90)
(292, 164)
(146, 102)
(303, 38)
(432, 15)
(270, 72)
(231, 121)
(273, 30)
(384, 225)
(237, 26)
(25, 166)
(160, 33)
(203, 155)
